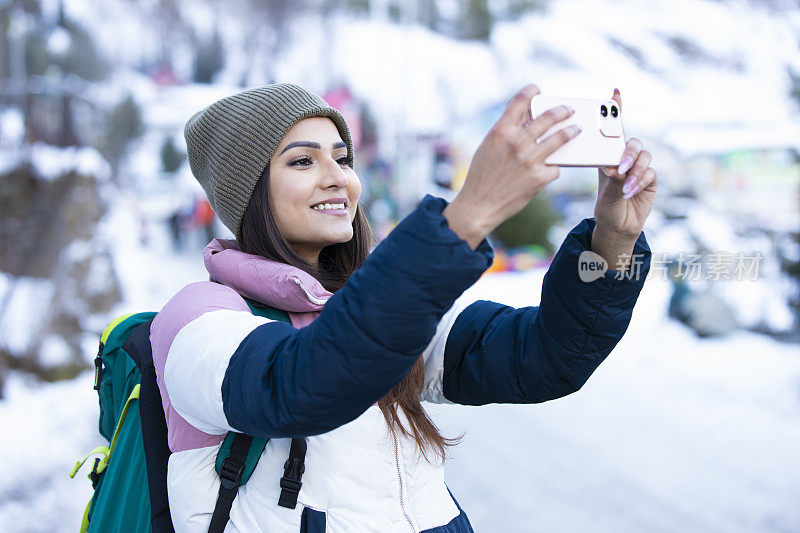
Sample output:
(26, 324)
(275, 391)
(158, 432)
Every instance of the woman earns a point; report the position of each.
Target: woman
(277, 166)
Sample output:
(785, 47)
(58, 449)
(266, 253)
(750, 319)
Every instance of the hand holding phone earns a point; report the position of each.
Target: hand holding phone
(602, 139)
(508, 168)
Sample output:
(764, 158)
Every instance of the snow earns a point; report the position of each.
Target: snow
(20, 317)
(51, 162)
(720, 138)
(414, 77)
(671, 433)
(143, 287)
(12, 127)
(47, 428)
(58, 42)
(54, 351)
(420, 80)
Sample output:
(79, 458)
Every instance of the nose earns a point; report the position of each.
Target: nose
(333, 175)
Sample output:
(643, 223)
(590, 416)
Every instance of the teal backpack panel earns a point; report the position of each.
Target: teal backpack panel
(120, 373)
(127, 507)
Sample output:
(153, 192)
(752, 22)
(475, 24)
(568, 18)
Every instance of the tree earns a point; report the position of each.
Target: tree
(270, 19)
(209, 60)
(517, 8)
(529, 226)
(124, 125)
(475, 20)
(428, 14)
(171, 157)
(82, 57)
(794, 85)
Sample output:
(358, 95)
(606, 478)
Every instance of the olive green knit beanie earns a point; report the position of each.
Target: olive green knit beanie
(230, 142)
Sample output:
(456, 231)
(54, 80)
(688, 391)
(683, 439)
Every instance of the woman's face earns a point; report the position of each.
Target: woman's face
(313, 192)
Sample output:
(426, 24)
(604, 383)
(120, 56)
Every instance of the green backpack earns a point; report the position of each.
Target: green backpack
(129, 475)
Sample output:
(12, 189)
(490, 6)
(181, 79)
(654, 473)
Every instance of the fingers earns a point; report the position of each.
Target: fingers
(642, 162)
(545, 121)
(636, 173)
(632, 149)
(617, 98)
(550, 173)
(558, 139)
(518, 110)
(609, 171)
(648, 180)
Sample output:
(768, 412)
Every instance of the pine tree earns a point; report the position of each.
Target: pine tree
(124, 125)
(475, 21)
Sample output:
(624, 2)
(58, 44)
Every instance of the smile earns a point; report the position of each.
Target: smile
(327, 207)
(332, 206)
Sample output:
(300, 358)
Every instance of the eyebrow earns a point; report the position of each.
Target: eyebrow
(311, 144)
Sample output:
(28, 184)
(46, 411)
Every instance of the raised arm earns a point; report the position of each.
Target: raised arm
(227, 369)
(493, 353)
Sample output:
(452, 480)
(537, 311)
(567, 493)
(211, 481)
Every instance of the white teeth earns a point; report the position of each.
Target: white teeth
(320, 207)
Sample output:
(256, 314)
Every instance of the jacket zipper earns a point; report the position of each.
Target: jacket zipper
(400, 483)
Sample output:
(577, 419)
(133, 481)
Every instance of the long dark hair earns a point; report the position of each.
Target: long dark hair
(259, 235)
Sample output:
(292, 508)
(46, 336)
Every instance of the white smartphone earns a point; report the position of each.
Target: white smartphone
(601, 142)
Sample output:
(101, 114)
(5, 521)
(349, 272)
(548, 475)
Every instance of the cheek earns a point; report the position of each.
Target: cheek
(354, 188)
(289, 193)
(287, 202)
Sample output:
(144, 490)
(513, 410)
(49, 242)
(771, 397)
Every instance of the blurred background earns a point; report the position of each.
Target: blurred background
(693, 422)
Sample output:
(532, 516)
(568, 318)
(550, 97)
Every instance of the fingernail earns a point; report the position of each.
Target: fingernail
(625, 164)
(570, 110)
(630, 194)
(577, 129)
(629, 185)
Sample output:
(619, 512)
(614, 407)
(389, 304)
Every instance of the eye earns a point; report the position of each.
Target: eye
(303, 161)
(345, 160)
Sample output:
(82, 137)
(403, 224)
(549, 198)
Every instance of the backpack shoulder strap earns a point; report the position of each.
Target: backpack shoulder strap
(154, 428)
(239, 454)
(292, 474)
(230, 471)
(229, 454)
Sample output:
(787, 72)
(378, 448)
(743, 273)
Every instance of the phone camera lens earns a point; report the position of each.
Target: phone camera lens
(604, 110)
(614, 111)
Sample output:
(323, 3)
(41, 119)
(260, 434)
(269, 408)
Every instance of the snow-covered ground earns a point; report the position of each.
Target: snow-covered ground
(671, 433)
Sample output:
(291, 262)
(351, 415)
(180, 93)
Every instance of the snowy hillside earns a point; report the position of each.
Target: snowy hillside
(696, 77)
